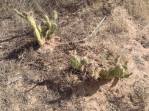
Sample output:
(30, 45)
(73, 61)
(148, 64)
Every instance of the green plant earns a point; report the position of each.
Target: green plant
(78, 63)
(115, 72)
(42, 32)
(93, 70)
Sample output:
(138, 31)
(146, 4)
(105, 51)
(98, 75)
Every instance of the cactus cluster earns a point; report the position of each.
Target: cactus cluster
(42, 32)
(93, 70)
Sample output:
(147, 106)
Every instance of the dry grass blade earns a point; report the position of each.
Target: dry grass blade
(95, 31)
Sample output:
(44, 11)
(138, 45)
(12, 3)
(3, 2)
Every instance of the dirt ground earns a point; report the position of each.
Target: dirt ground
(35, 80)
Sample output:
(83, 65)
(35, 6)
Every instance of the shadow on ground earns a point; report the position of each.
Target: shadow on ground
(14, 54)
(66, 90)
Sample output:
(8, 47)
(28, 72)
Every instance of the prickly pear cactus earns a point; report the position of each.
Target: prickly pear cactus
(94, 71)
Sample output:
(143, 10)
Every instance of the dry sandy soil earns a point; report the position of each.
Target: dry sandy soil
(35, 80)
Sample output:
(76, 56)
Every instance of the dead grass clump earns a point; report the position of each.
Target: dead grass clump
(122, 23)
(137, 8)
